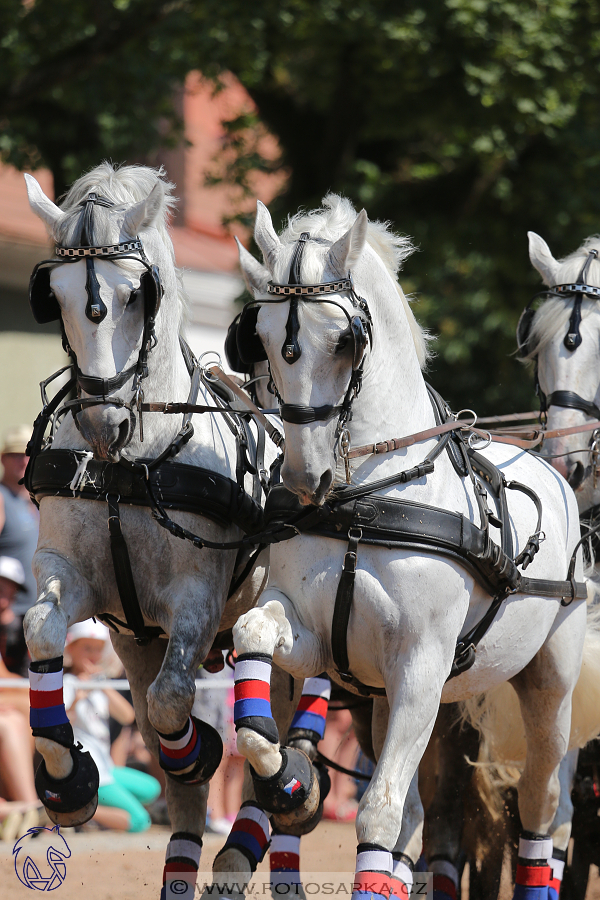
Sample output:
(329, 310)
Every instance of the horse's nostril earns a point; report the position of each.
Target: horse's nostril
(575, 476)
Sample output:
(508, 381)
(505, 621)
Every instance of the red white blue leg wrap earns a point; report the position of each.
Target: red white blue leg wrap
(181, 866)
(373, 878)
(533, 868)
(180, 749)
(250, 833)
(252, 690)
(402, 876)
(312, 708)
(284, 860)
(47, 708)
(445, 879)
(557, 865)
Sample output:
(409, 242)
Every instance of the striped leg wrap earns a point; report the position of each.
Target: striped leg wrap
(312, 709)
(533, 870)
(445, 879)
(250, 833)
(252, 689)
(47, 708)
(284, 859)
(181, 866)
(402, 876)
(373, 878)
(557, 865)
(180, 749)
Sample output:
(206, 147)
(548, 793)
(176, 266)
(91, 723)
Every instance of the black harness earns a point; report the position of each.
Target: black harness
(158, 483)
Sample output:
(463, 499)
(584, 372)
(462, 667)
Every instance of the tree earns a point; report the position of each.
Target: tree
(465, 122)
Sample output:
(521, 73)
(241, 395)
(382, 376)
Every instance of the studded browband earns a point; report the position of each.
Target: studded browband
(124, 247)
(327, 287)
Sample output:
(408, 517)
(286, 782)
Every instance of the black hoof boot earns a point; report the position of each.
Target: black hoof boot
(300, 828)
(72, 800)
(209, 760)
(292, 794)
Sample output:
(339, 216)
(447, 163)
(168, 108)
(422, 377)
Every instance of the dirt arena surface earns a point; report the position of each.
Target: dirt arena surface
(113, 866)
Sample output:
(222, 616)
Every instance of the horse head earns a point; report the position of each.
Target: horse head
(563, 337)
(105, 284)
(317, 333)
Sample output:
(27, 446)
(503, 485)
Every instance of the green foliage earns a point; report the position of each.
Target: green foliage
(465, 122)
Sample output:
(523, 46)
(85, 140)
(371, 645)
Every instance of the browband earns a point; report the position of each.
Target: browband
(576, 289)
(327, 287)
(125, 247)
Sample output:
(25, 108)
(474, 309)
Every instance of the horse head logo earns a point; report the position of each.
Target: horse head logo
(28, 872)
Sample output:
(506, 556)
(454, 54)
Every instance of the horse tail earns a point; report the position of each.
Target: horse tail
(496, 714)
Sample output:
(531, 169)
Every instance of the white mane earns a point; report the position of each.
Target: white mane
(330, 222)
(123, 186)
(553, 316)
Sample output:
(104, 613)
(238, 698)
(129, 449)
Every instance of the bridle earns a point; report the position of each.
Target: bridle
(359, 329)
(572, 339)
(45, 308)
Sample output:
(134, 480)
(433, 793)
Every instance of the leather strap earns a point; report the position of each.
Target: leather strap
(124, 575)
(571, 400)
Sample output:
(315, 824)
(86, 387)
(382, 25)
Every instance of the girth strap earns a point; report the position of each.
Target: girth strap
(124, 576)
(341, 615)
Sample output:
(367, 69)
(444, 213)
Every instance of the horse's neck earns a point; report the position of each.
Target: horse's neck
(393, 401)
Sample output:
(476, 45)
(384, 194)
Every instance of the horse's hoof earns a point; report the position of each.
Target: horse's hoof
(292, 793)
(72, 800)
(209, 760)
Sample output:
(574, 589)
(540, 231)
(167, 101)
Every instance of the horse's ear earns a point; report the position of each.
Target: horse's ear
(42, 206)
(346, 251)
(142, 215)
(542, 259)
(265, 235)
(255, 276)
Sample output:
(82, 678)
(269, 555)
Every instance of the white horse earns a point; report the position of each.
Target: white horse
(568, 378)
(108, 307)
(410, 608)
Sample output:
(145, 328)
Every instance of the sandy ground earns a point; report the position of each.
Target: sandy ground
(112, 866)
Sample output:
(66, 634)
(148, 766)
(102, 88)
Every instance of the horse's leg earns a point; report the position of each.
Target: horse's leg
(456, 745)
(249, 838)
(561, 826)
(545, 690)
(186, 804)
(284, 781)
(67, 779)
(381, 826)
(407, 848)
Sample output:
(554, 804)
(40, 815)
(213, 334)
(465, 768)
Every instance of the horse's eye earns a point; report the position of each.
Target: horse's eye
(134, 295)
(342, 341)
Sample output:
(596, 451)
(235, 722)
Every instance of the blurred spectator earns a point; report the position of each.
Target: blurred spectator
(340, 745)
(18, 538)
(122, 791)
(16, 742)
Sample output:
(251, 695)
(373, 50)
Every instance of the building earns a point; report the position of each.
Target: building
(203, 248)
